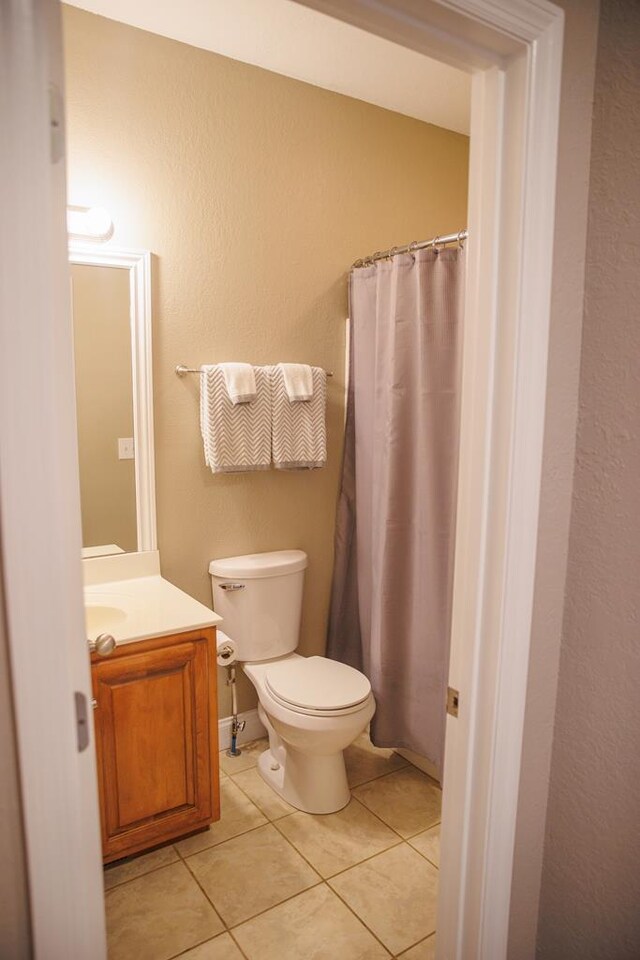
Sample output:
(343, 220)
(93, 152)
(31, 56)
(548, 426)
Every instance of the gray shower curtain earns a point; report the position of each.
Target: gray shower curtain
(391, 596)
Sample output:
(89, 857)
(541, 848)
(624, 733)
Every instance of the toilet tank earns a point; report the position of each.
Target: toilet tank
(259, 597)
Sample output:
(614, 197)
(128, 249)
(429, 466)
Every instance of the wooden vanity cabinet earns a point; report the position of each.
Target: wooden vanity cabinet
(156, 728)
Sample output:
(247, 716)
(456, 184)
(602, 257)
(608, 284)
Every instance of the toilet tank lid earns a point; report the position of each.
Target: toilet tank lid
(255, 565)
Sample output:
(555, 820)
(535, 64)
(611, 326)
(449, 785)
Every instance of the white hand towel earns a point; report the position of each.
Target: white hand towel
(298, 433)
(236, 437)
(298, 380)
(240, 381)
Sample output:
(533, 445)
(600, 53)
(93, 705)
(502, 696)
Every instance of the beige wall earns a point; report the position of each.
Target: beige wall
(104, 404)
(574, 145)
(255, 192)
(590, 900)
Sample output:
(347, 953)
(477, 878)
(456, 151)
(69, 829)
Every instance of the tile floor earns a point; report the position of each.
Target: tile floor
(268, 882)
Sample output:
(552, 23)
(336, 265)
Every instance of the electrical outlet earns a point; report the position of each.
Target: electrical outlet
(126, 450)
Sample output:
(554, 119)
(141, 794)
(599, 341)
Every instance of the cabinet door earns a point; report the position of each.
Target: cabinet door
(152, 739)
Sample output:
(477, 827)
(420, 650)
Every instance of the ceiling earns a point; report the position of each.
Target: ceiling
(282, 36)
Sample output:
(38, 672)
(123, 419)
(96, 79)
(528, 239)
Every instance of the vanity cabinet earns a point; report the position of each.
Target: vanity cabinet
(156, 729)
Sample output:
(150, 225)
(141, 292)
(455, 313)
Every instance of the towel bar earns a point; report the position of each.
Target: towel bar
(182, 370)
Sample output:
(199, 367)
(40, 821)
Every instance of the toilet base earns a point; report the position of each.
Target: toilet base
(314, 784)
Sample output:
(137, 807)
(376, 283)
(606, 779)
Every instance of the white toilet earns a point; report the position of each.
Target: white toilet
(312, 707)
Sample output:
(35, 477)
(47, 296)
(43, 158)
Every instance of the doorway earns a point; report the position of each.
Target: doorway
(515, 101)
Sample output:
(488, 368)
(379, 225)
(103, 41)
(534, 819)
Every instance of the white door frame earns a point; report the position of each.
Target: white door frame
(514, 49)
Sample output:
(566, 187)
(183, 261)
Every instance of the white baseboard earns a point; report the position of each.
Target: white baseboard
(253, 729)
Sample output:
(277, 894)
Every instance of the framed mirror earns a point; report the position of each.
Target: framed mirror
(111, 305)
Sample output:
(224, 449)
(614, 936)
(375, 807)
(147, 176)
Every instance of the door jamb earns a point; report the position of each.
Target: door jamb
(513, 48)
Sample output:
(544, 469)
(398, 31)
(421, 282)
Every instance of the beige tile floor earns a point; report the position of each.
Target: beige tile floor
(268, 882)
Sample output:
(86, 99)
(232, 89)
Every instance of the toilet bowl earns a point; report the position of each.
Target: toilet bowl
(312, 707)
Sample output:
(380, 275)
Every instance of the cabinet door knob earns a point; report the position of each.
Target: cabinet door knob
(103, 645)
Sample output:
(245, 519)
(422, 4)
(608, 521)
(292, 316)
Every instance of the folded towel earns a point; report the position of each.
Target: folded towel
(299, 434)
(240, 381)
(298, 380)
(236, 437)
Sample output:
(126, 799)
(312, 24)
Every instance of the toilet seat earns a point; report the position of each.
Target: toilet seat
(317, 686)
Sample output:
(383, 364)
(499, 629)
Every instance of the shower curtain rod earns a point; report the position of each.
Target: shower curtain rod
(410, 247)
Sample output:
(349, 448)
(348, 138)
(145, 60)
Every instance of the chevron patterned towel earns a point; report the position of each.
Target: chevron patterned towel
(299, 432)
(236, 437)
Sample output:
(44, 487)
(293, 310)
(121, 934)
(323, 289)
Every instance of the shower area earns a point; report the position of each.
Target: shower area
(392, 585)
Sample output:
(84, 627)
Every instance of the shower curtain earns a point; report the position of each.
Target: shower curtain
(392, 586)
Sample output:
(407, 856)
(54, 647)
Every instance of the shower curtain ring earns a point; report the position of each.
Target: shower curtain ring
(461, 239)
(436, 240)
(411, 248)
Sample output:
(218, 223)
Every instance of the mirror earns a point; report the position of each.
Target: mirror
(111, 308)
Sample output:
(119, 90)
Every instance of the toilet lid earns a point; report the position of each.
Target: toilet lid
(316, 683)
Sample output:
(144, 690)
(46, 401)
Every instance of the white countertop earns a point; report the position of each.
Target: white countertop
(142, 607)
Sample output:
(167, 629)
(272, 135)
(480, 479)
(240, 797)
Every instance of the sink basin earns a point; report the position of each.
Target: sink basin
(101, 618)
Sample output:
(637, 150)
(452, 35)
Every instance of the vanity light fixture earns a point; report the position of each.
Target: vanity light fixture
(89, 223)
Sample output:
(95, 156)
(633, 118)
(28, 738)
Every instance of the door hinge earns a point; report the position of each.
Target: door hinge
(453, 701)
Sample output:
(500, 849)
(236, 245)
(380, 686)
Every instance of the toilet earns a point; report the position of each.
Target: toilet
(312, 707)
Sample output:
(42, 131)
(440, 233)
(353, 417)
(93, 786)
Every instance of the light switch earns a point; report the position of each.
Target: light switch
(125, 448)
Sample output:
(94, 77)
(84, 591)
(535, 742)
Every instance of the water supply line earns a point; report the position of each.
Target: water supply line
(237, 726)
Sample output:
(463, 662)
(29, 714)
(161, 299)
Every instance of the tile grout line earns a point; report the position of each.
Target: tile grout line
(274, 906)
(250, 798)
(206, 895)
(360, 920)
(333, 876)
(322, 881)
(180, 857)
(245, 955)
(325, 881)
(411, 835)
(146, 873)
(377, 816)
(228, 927)
(370, 856)
(349, 907)
(413, 945)
(203, 943)
(218, 843)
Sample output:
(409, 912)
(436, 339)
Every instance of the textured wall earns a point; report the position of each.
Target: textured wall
(574, 144)
(104, 403)
(255, 192)
(590, 898)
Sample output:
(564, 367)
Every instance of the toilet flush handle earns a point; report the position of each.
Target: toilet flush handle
(232, 586)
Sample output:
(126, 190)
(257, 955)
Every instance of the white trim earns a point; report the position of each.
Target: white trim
(138, 263)
(253, 730)
(515, 50)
